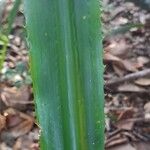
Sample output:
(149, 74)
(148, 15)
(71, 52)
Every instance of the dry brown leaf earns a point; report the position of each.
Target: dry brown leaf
(4, 146)
(141, 60)
(126, 113)
(147, 107)
(2, 122)
(130, 88)
(18, 123)
(143, 81)
(125, 124)
(109, 57)
(116, 141)
(16, 98)
(116, 61)
(26, 142)
(117, 11)
(18, 144)
(118, 48)
(142, 146)
(119, 63)
(123, 112)
(120, 72)
(130, 66)
(123, 147)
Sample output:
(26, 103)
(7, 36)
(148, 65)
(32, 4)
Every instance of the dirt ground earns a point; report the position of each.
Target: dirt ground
(126, 29)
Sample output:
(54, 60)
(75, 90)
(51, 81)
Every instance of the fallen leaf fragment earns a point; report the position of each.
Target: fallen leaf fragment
(116, 141)
(123, 147)
(142, 60)
(118, 48)
(2, 122)
(143, 81)
(124, 64)
(147, 107)
(126, 114)
(142, 146)
(130, 88)
(26, 144)
(4, 146)
(130, 66)
(16, 98)
(120, 72)
(125, 124)
(18, 123)
(109, 57)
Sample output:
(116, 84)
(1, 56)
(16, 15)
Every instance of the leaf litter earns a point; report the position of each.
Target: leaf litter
(18, 128)
(127, 76)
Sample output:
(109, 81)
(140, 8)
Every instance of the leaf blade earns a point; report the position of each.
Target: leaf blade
(67, 72)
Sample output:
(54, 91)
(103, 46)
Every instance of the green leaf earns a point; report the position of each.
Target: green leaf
(66, 64)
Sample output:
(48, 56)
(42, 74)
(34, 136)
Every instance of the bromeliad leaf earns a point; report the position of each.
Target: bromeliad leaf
(66, 64)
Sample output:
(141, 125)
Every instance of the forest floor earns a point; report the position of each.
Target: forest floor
(126, 30)
(127, 76)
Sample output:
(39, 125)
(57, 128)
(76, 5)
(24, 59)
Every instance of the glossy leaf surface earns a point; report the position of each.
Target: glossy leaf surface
(66, 64)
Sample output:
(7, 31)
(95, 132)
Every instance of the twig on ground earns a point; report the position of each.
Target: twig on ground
(129, 77)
